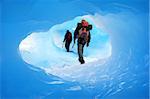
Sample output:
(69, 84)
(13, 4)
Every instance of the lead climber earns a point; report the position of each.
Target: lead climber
(82, 33)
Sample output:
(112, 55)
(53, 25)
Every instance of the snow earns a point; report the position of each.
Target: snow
(74, 88)
(44, 50)
(55, 82)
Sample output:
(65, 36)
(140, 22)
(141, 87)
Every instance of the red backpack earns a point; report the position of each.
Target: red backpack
(85, 24)
(69, 36)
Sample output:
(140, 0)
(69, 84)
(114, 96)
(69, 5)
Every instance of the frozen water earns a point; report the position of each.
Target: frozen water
(44, 50)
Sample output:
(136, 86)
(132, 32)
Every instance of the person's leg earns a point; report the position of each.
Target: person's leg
(80, 53)
(66, 45)
(69, 45)
(80, 50)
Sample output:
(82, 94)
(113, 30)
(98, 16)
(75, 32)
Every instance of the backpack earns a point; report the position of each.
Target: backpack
(83, 36)
(69, 37)
(85, 24)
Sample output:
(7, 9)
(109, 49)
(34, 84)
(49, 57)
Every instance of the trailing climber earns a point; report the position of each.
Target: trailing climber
(67, 40)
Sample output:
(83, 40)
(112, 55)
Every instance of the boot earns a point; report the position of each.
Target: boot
(81, 60)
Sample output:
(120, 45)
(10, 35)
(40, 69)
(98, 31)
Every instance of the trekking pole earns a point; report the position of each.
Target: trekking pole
(63, 44)
(73, 45)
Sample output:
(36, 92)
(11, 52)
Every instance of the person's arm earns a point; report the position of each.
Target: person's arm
(65, 37)
(75, 35)
(76, 32)
(89, 38)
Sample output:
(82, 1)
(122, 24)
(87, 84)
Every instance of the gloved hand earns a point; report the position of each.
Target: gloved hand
(87, 44)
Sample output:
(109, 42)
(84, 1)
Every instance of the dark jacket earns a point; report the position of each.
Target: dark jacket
(68, 37)
(76, 32)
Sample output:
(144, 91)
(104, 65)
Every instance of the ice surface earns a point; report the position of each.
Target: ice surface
(115, 55)
(45, 50)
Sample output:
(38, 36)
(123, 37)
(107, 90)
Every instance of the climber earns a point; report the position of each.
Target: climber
(67, 40)
(82, 33)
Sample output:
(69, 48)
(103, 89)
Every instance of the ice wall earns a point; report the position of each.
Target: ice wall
(45, 50)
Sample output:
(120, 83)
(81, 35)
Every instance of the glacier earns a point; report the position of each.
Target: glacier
(46, 51)
(112, 59)
(29, 71)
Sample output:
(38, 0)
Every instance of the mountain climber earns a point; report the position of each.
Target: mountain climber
(67, 40)
(82, 33)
